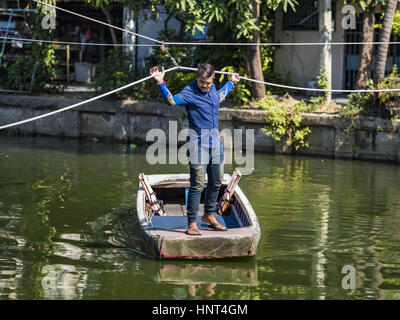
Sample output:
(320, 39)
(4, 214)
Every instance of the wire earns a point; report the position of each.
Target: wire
(162, 43)
(273, 43)
(300, 88)
(163, 48)
(216, 43)
(98, 21)
(81, 43)
(190, 69)
(82, 102)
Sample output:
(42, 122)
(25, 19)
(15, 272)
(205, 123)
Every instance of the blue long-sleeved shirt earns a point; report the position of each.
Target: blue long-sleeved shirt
(202, 109)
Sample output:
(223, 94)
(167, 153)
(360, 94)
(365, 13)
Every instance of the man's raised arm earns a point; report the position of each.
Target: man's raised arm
(224, 91)
(170, 99)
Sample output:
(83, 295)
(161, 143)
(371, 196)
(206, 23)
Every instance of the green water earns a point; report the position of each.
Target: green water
(62, 228)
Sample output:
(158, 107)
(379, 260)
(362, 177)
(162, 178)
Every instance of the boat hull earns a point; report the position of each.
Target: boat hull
(164, 237)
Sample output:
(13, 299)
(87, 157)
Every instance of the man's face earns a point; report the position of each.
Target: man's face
(205, 83)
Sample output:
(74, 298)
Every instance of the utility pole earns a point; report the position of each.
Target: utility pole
(325, 31)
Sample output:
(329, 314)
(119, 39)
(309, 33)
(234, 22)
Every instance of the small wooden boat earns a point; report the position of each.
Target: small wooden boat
(164, 236)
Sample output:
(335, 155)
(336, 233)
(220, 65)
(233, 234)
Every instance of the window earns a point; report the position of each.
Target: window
(305, 17)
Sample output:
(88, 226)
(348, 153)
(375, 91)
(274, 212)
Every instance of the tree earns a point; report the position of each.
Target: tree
(107, 12)
(254, 62)
(368, 21)
(106, 8)
(242, 16)
(384, 37)
(365, 67)
(396, 23)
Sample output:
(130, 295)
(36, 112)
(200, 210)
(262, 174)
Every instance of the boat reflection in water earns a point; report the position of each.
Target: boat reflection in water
(202, 277)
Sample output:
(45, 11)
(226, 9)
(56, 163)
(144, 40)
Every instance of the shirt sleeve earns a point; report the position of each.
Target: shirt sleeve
(172, 100)
(224, 91)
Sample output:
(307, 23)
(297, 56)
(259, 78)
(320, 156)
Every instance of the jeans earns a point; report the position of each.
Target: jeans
(210, 161)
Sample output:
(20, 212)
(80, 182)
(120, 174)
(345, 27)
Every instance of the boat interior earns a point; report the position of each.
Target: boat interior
(175, 202)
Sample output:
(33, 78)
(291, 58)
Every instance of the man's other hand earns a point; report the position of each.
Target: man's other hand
(158, 76)
(235, 78)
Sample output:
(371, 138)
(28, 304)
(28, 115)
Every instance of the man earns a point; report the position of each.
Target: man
(206, 155)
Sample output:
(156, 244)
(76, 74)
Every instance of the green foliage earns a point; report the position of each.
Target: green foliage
(3, 73)
(357, 102)
(242, 92)
(176, 80)
(384, 104)
(396, 23)
(236, 14)
(274, 4)
(192, 56)
(229, 59)
(228, 21)
(20, 71)
(182, 55)
(10, 132)
(197, 14)
(19, 75)
(364, 5)
(390, 101)
(284, 122)
(113, 72)
(322, 82)
(238, 56)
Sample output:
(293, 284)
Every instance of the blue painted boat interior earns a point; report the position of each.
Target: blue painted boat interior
(181, 222)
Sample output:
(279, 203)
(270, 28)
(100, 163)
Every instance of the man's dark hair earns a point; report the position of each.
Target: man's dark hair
(205, 70)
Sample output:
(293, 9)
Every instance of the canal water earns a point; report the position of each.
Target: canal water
(330, 228)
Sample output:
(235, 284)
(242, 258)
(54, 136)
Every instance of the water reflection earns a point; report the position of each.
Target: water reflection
(203, 279)
(65, 233)
(319, 260)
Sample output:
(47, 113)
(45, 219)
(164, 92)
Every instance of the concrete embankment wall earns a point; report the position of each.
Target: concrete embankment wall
(130, 121)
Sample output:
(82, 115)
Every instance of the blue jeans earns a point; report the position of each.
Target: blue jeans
(211, 161)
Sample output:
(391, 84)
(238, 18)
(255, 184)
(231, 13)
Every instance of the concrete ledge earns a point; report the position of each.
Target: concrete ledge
(371, 138)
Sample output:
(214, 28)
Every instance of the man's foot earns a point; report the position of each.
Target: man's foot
(212, 223)
(193, 230)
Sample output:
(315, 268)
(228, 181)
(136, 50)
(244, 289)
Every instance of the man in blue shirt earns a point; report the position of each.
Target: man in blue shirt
(206, 154)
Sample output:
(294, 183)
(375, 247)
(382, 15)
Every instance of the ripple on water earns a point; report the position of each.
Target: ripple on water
(316, 216)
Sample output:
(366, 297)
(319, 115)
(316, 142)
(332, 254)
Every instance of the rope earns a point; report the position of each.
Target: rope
(81, 103)
(300, 88)
(272, 43)
(213, 43)
(163, 48)
(81, 43)
(199, 43)
(183, 68)
(98, 21)
(244, 78)
(162, 43)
